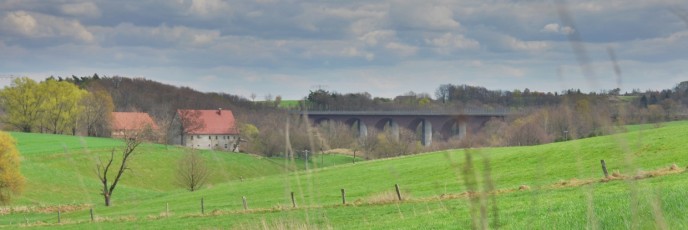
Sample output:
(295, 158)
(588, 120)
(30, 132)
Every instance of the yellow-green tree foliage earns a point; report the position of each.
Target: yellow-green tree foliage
(96, 118)
(22, 102)
(11, 180)
(49, 106)
(63, 107)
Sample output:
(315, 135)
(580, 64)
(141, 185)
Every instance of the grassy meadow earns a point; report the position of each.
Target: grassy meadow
(552, 186)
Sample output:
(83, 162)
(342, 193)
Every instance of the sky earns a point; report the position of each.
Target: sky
(383, 47)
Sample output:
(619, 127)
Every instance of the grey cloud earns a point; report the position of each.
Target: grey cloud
(18, 26)
(127, 34)
(517, 39)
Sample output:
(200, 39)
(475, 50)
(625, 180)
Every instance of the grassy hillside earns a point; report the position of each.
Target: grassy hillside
(61, 169)
(562, 181)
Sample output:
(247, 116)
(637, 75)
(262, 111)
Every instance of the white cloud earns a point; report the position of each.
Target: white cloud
(423, 15)
(378, 36)
(530, 46)
(87, 9)
(556, 28)
(449, 40)
(36, 25)
(208, 8)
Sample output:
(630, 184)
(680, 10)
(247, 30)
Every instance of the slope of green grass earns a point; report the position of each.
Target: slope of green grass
(289, 104)
(61, 169)
(422, 179)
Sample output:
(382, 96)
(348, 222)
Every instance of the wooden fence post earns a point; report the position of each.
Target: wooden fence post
(293, 201)
(604, 169)
(396, 187)
(167, 209)
(92, 219)
(58, 216)
(343, 197)
(243, 198)
(202, 206)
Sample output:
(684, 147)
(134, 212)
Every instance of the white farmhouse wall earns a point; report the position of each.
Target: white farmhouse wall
(202, 141)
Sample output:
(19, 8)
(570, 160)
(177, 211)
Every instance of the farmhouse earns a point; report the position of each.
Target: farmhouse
(131, 123)
(207, 129)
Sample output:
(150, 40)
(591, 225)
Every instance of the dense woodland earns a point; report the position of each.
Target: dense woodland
(82, 106)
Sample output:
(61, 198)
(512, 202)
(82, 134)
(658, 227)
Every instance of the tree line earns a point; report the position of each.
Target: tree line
(81, 105)
(57, 107)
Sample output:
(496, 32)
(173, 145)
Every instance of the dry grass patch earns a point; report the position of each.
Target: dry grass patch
(383, 198)
(343, 151)
(673, 169)
(281, 224)
(44, 209)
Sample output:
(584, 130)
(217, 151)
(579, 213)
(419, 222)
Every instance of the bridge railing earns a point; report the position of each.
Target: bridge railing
(437, 112)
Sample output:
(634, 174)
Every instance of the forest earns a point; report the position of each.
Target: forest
(83, 106)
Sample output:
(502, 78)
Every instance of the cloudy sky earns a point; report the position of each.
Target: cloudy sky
(384, 47)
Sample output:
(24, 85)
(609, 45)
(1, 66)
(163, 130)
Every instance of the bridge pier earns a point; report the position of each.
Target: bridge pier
(462, 128)
(427, 133)
(362, 129)
(423, 123)
(389, 125)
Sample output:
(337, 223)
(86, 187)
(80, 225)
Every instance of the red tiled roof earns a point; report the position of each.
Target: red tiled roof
(131, 121)
(208, 121)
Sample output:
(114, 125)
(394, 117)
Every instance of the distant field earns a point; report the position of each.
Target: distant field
(628, 98)
(562, 181)
(287, 104)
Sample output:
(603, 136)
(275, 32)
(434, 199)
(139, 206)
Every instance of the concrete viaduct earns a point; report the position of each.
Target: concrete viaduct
(446, 124)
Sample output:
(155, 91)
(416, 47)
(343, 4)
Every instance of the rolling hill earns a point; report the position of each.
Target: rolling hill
(556, 185)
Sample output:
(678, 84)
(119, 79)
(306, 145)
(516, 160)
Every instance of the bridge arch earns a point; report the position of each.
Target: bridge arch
(454, 127)
(388, 125)
(424, 126)
(358, 125)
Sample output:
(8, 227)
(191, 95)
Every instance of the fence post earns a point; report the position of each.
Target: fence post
(604, 169)
(243, 198)
(167, 209)
(396, 187)
(58, 216)
(293, 201)
(202, 206)
(343, 197)
(92, 219)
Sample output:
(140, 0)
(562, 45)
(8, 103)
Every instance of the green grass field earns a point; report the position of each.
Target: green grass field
(289, 104)
(564, 192)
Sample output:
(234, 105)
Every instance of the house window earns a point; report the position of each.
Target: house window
(209, 137)
(225, 145)
(215, 137)
(199, 136)
(191, 137)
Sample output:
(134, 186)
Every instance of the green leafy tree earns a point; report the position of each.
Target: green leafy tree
(63, 107)
(11, 180)
(22, 102)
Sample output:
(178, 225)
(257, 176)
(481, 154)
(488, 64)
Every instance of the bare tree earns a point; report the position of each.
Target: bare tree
(103, 168)
(192, 171)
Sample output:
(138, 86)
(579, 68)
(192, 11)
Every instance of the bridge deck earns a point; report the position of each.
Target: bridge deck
(409, 113)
